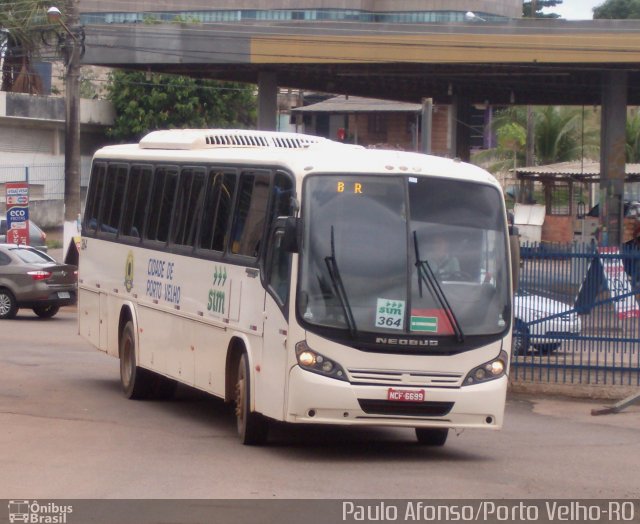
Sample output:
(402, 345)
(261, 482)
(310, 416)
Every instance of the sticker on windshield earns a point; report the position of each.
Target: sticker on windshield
(390, 314)
(426, 324)
(430, 321)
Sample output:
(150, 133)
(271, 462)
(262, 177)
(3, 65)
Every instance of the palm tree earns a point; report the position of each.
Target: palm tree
(559, 137)
(632, 142)
(21, 25)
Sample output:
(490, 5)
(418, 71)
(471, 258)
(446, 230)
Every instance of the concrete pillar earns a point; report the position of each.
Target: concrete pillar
(427, 126)
(612, 156)
(461, 121)
(267, 101)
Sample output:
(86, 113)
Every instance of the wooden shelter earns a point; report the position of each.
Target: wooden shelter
(570, 190)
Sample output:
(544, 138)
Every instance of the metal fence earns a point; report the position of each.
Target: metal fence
(577, 319)
(47, 179)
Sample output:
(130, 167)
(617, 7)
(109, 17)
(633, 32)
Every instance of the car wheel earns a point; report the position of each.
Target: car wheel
(46, 311)
(520, 339)
(8, 306)
(432, 436)
(546, 349)
(252, 427)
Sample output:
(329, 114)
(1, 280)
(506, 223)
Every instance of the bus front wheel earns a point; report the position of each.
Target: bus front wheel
(252, 427)
(432, 436)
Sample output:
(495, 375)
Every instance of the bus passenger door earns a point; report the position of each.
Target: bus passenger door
(271, 391)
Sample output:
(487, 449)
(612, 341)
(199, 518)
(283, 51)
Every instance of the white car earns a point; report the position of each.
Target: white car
(541, 323)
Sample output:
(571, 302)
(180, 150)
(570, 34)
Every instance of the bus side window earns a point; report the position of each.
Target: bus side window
(163, 193)
(114, 189)
(281, 198)
(94, 197)
(279, 267)
(216, 213)
(138, 189)
(250, 213)
(187, 205)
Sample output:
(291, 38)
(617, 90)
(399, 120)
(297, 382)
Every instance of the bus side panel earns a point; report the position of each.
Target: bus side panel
(270, 381)
(89, 316)
(210, 348)
(155, 339)
(104, 327)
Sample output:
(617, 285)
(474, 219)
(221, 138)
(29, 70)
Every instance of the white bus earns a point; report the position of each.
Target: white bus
(299, 278)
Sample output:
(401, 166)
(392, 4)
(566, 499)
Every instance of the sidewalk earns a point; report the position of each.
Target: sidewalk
(580, 410)
(55, 235)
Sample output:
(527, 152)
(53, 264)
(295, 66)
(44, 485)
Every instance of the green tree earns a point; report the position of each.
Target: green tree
(559, 137)
(617, 9)
(145, 103)
(512, 137)
(632, 142)
(558, 134)
(539, 6)
(21, 23)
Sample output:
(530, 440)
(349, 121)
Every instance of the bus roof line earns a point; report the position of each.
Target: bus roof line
(216, 138)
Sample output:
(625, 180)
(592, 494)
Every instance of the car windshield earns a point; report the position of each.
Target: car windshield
(403, 255)
(32, 256)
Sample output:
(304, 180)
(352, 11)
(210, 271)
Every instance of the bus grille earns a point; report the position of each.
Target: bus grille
(406, 409)
(407, 378)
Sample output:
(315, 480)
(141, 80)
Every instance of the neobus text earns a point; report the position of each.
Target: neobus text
(406, 341)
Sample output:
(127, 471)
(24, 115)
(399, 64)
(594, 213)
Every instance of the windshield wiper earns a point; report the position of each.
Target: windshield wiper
(426, 275)
(336, 280)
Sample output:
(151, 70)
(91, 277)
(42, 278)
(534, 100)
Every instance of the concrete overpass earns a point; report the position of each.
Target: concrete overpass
(516, 62)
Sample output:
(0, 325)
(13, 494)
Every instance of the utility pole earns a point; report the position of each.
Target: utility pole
(72, 49)
(531, 133)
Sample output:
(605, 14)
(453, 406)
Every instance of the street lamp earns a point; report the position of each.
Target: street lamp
(54, 15)
(72, 44)
(470, 16)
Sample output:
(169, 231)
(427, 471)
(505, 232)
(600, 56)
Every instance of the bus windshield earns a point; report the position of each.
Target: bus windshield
(403, 256)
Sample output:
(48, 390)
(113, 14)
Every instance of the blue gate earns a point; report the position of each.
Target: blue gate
(577, 315)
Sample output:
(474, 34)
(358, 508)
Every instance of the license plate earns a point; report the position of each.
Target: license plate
(64, 294)
(405, 395)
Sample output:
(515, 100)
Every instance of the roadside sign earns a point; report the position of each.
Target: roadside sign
(17, 199)
(618, 283)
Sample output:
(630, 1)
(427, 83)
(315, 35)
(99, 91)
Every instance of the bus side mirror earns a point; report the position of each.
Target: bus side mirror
(292, 231)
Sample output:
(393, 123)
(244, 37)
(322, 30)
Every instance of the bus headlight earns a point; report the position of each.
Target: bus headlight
(491, 370)
(316, 363)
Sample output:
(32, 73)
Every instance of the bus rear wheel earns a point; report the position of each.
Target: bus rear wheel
(432, 436)
(252, 427)
(136, 382)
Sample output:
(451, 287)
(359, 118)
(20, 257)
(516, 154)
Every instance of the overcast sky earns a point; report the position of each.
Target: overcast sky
(576, 9)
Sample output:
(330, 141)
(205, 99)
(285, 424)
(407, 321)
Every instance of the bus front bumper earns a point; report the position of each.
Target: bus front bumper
(314, 399)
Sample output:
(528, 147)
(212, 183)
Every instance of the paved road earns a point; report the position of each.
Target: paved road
(66, 431)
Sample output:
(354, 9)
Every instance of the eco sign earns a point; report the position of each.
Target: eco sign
(17, 198)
